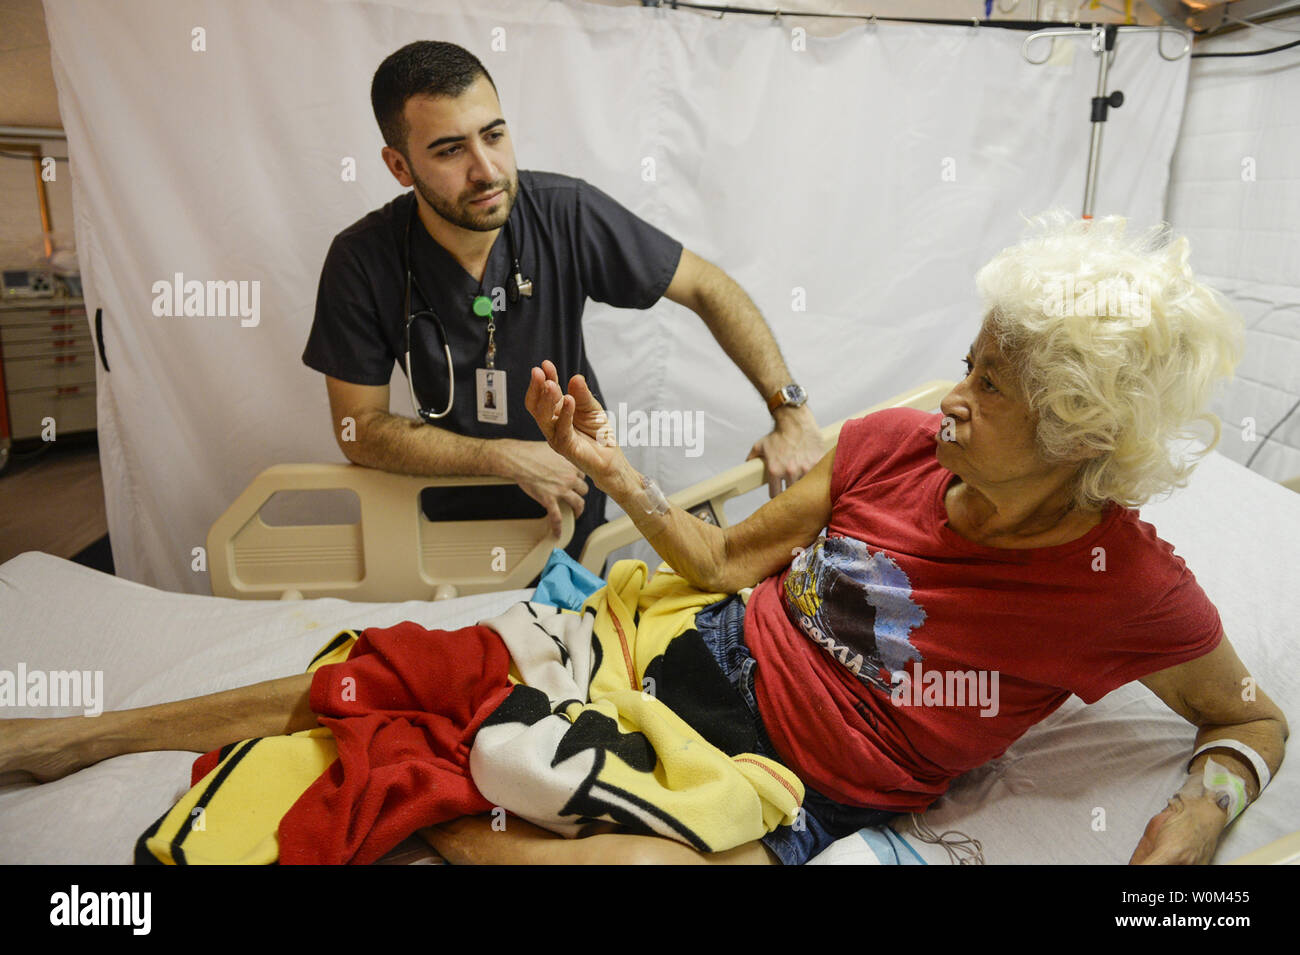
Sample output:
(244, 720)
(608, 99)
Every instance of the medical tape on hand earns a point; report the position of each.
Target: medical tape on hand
(652, 499)
(1230, 789)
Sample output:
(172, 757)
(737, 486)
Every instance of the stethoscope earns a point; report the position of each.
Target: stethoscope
(517, 287)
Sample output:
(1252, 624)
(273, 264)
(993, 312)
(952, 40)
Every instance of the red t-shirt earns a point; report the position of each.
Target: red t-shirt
(894, 654)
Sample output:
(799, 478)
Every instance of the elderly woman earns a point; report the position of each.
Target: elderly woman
(990, 551)
(995, 539)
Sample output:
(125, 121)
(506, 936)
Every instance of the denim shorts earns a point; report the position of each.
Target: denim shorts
(823, 820)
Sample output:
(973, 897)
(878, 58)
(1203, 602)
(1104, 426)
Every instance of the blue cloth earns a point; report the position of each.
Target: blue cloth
(565, 583)
(889, 847)
(722, 626)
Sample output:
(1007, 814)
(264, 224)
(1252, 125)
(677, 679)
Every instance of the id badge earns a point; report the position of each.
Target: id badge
(491, 384)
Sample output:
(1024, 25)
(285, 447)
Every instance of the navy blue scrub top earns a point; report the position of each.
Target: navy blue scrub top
(574, 242)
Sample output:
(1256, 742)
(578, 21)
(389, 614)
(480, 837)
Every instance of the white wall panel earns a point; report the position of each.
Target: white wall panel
(1235, 192)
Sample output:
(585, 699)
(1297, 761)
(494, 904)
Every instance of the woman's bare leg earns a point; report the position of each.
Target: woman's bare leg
(51, 748)
(472, 841)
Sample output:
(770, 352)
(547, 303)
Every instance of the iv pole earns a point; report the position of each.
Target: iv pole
(1103, 43)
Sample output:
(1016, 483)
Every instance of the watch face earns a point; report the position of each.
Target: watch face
(794, 394)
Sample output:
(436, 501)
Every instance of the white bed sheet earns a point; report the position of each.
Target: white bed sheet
(155, 646)
(1038, 803)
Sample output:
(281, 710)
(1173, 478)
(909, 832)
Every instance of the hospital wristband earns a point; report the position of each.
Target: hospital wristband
(1256, 761)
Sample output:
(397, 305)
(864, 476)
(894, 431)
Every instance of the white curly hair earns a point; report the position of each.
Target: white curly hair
(1118, 348)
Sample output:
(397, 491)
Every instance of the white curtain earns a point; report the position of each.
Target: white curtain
(851, 184)
(1235, 193)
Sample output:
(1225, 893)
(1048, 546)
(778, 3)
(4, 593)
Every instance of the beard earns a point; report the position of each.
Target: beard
(460, 213)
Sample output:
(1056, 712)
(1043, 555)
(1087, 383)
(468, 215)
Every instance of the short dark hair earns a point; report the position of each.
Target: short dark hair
(422, 68)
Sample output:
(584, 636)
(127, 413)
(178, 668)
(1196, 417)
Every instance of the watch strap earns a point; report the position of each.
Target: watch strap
(779, 399)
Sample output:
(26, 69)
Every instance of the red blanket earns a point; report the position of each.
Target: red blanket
(403, 709)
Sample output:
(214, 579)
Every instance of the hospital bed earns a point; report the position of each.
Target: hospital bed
(1077, 788)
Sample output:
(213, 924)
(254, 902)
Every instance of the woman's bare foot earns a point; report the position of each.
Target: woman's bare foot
(45, 749)
(53, 748)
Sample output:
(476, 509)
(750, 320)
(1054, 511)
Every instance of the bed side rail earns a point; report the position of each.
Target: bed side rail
(1282, 851)
(392, 553)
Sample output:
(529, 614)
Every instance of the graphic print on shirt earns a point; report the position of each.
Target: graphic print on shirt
(855, 604)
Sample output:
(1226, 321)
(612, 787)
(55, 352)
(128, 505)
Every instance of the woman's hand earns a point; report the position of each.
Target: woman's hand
(1185, 833)
(575, 425)
(1207, 692)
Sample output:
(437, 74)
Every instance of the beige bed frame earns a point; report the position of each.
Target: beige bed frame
(1283, 851)
(395, 553)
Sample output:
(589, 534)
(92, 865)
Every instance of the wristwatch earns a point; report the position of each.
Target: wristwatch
(791, 396)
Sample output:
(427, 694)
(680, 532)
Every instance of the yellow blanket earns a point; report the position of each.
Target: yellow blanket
(593, 730)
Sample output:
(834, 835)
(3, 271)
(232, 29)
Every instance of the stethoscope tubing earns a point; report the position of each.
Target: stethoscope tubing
(428, 417)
